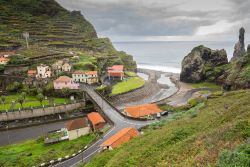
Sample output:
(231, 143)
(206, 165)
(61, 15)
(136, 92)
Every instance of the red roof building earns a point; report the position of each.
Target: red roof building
(96, 119)
(77, 127)
(32, 73)
(116, 71)
(120, 138)
(142, 110)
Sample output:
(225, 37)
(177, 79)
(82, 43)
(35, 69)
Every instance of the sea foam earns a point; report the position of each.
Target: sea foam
(160, 68)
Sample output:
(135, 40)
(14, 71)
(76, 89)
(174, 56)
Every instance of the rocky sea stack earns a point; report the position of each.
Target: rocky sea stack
(201, 58)
(239, 48)
(204, 64)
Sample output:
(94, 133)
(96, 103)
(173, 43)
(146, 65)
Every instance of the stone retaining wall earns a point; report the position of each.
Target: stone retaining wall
(30, 113)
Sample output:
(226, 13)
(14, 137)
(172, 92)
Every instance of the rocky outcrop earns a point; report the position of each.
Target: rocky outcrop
(195, 64)
(239, 48)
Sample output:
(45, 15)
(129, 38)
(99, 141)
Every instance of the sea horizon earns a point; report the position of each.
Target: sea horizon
(167, 56)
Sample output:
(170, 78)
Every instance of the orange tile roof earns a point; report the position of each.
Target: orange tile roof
(86, 72)
(76, 124)
(63, 79)
(95, 118)
(91, 72)
(116, 68)
(121, 137)
(4, 59)
(32, 71)
(142, 110)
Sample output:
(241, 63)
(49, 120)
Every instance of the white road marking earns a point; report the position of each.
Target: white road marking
(85, 158)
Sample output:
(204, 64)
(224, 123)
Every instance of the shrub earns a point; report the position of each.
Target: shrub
(238, 158)
(14, 87)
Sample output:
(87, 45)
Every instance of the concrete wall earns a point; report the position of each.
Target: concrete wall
(16, 115)
(73, 134)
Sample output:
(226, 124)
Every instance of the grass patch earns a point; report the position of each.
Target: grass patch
(127, 85)
(30, 101)
(209, 85)
(130, 74)
(193, 138)
(35, 152)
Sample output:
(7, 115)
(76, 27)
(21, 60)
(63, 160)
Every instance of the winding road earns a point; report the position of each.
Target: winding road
(119, 121)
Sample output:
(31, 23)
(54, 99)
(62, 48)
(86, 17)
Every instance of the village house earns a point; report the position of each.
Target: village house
(6, 54)
(43, 71)
(4, 61)
(89, 77)
(77, 128)
(57, 66)
(32, 73)
(142, 110)
(96, 120)
(66, 67)
(65, 82)
(120, 138)
(116, 71)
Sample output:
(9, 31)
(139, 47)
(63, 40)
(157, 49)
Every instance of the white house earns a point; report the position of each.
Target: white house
(77, 127)
(89, 77)
(66, 67)
(43, 71)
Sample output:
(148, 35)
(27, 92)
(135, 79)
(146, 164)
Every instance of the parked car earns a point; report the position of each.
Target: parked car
(158, 115)
(164, 113)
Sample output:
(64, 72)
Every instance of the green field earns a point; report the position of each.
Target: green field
(127, 85)
(30, 101)
(34, 152)
(213, 133)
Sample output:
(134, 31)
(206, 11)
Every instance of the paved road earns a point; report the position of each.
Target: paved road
(119, 123)
(19, 135)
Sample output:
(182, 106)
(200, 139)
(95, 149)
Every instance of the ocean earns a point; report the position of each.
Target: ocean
(166, 56)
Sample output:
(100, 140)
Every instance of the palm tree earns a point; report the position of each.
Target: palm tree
(26, 35)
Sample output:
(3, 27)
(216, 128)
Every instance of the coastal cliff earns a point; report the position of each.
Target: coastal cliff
(205, 64)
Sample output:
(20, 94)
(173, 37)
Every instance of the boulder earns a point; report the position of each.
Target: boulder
(194, 65)
(239, 48)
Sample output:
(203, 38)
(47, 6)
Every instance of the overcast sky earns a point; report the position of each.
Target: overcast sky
(156, 20)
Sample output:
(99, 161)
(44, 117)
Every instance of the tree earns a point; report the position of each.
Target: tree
(13, 87)
(21, 100)
(3, 99)
(26, 35)
(39, 91)
(40, 98)
(65, 92)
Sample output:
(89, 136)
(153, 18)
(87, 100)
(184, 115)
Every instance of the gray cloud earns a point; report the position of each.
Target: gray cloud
(160, 17)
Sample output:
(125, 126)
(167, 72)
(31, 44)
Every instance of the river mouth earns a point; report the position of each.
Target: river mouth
(159, 86)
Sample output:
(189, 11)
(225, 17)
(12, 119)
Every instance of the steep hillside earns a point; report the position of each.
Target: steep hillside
(213, 133)
(52, 29)
(45, 20)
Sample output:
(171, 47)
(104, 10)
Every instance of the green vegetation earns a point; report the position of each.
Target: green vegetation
(52, 29)
(35, 152)
(127, 85)
(196, 137)
(13, 102)
(209, 85)
(130, 74)
(239, 157)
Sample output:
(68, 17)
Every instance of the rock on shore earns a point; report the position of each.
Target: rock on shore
(195, 64)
